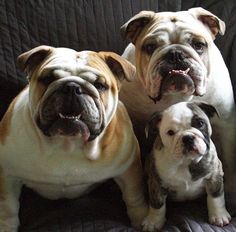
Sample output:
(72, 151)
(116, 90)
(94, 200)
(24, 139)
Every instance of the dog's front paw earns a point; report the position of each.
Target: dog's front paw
(137, 214)
(153, 222)
(219, 217)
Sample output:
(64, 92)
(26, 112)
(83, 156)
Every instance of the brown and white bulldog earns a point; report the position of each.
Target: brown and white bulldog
(67, 131)
(176, 60)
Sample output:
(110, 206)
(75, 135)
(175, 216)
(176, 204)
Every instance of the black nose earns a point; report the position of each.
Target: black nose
(188, 141)
(71, 88)
(175, 56)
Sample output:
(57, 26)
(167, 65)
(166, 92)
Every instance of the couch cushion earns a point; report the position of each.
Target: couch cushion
(103, 210)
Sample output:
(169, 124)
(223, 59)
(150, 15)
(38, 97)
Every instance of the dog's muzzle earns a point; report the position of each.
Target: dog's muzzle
(176, 72)
(192, 145)
(71, 110)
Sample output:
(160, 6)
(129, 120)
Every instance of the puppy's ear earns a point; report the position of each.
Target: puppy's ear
(29, 60)
(135, 25)
(209, 110)
(210, 20)
(153, 134)
(120, 67)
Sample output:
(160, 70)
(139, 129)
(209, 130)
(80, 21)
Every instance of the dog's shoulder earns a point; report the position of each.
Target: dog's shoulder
(5, 124)
(119, 133)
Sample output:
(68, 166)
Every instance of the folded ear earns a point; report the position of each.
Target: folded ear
(153, 134)
(135, 25)
(120, 67)
(209, 110)
(28, 60)
(209, 20)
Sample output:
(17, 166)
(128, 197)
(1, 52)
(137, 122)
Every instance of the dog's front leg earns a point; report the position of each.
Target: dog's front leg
(9, 203)
(132, 187)
(156, 217)
(217, 213)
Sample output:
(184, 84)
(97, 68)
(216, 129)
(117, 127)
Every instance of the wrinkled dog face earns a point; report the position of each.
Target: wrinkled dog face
(72, 93)
(172, 50)
(184, 129)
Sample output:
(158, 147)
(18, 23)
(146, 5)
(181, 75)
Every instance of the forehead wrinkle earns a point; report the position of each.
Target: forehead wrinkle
(167, 34)
(99, 64)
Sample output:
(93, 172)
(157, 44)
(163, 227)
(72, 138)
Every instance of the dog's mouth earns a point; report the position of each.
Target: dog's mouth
(81, 117)
(178, 81)
(69, 125)
(177, 74)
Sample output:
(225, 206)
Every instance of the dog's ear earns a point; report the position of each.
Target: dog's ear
(153, 134)
(28, 60)
(135, 25)
(208, 19)
(209, 110)
(120, 67)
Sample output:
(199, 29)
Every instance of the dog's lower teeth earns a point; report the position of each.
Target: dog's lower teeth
(69, 117)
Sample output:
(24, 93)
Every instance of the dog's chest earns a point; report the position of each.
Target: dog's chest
(178, 180)
(62, 174)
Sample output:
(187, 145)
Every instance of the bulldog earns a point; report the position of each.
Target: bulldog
(183, 162)
(176, 60)
(67, 131)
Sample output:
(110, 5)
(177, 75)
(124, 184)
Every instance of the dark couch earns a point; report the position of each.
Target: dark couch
(94, 25)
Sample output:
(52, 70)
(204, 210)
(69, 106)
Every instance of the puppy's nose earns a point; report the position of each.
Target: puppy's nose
(72, 88)
(188, 141)
(175, 56)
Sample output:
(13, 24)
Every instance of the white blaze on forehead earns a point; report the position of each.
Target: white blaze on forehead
(67, 62)
(179, 113)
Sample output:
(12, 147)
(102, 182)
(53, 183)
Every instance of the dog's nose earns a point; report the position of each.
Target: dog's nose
(72, 88)
(188, 141)
(175, 56)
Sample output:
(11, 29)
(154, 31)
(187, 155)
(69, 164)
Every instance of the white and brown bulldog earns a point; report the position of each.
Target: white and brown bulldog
(176, 60)
(183, 162)
(67, 131)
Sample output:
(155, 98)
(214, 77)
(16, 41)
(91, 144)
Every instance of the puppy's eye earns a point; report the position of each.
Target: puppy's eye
(170, 132)
(46, 80)
(199, 124)
(100, 86)
(149, 48)
(198, 46)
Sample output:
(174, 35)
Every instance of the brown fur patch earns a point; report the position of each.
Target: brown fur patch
(6, 121)
(118, 134)
(97, 62)
(2, 183)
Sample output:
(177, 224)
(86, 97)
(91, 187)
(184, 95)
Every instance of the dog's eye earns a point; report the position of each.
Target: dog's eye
(199, 124)
(198, 46)
(170, 132)
(46, 80)
(150, 48)
(100, 86)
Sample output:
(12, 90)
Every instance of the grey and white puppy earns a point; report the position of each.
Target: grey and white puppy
(183, 162)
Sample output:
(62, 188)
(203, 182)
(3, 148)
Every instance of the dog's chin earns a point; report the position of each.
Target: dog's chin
(178, 82)
(69, 127)
(66, 127)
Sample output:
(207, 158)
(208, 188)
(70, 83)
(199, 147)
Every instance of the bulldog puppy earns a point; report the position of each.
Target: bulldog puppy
(176, 60)
(183, 162)
(67, 131)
